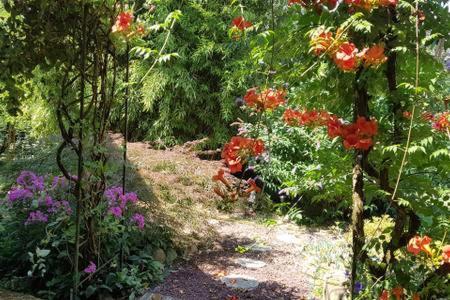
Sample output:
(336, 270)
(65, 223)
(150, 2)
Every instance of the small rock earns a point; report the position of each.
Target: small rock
(213, 222)
(190, 251)
(240, 282)
(159, 255)
(171, 255)
(259, 248)
(250, 263)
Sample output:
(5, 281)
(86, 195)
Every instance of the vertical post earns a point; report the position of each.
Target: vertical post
(80, 173)
(125, 134)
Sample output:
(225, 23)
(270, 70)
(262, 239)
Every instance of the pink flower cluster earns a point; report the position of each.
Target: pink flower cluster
(119, 203)
(38, 198)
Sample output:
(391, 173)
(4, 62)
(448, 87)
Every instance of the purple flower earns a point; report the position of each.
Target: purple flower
(131, 197)
(91, 268)
(113, 194)
(59, 182)
(31, 181)
(122, 201)
(36, 217)
(67, 207)
(358, 287)
(116, 211)
(49, 201)
(139, 220)
(128, 197)
(19, 194)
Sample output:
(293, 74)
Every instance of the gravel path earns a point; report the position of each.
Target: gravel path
(297, 263)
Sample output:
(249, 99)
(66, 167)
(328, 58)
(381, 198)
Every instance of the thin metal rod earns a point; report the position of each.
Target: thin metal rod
(125, 135)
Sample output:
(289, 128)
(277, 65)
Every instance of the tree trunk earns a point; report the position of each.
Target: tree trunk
(361, 109)
(9, 138)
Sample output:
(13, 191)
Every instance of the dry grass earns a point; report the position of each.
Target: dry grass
(176, 189)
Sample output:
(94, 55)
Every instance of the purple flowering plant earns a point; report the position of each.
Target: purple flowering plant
(40, 198)
(91, 268)
(120, 207)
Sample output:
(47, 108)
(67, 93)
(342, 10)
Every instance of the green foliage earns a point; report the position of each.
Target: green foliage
(317, 171)
(193, 94)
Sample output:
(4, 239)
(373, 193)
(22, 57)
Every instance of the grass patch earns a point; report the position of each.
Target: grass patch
(166, 194)
(186, 180)
(165, 166)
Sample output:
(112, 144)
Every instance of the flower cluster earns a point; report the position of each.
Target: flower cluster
(321, 40)
(36, 217)
(119, 203)
(239, 23)
(344, 53)
(398, 292)
(238, 26)
(126, 26)
(252, 185)
(439, 122)
(415, 246)
(237, 152)
(446, 254)
(373, 56)
(358, 135)
(267, 99)
(370, 4)
(91, 268)
(422, 244)
(442, 121)
(139, 220)
(294, 117)
(418, 244)
(38, 198)
(123, 22)
(30, 181)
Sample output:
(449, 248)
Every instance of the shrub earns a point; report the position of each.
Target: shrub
(37, 239)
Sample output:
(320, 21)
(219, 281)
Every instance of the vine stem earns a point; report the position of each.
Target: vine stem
(80, 173)
(166, 40)
(408, 140)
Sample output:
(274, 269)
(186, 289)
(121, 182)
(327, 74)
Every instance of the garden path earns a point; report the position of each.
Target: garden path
(249, 260)
(229, 255)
